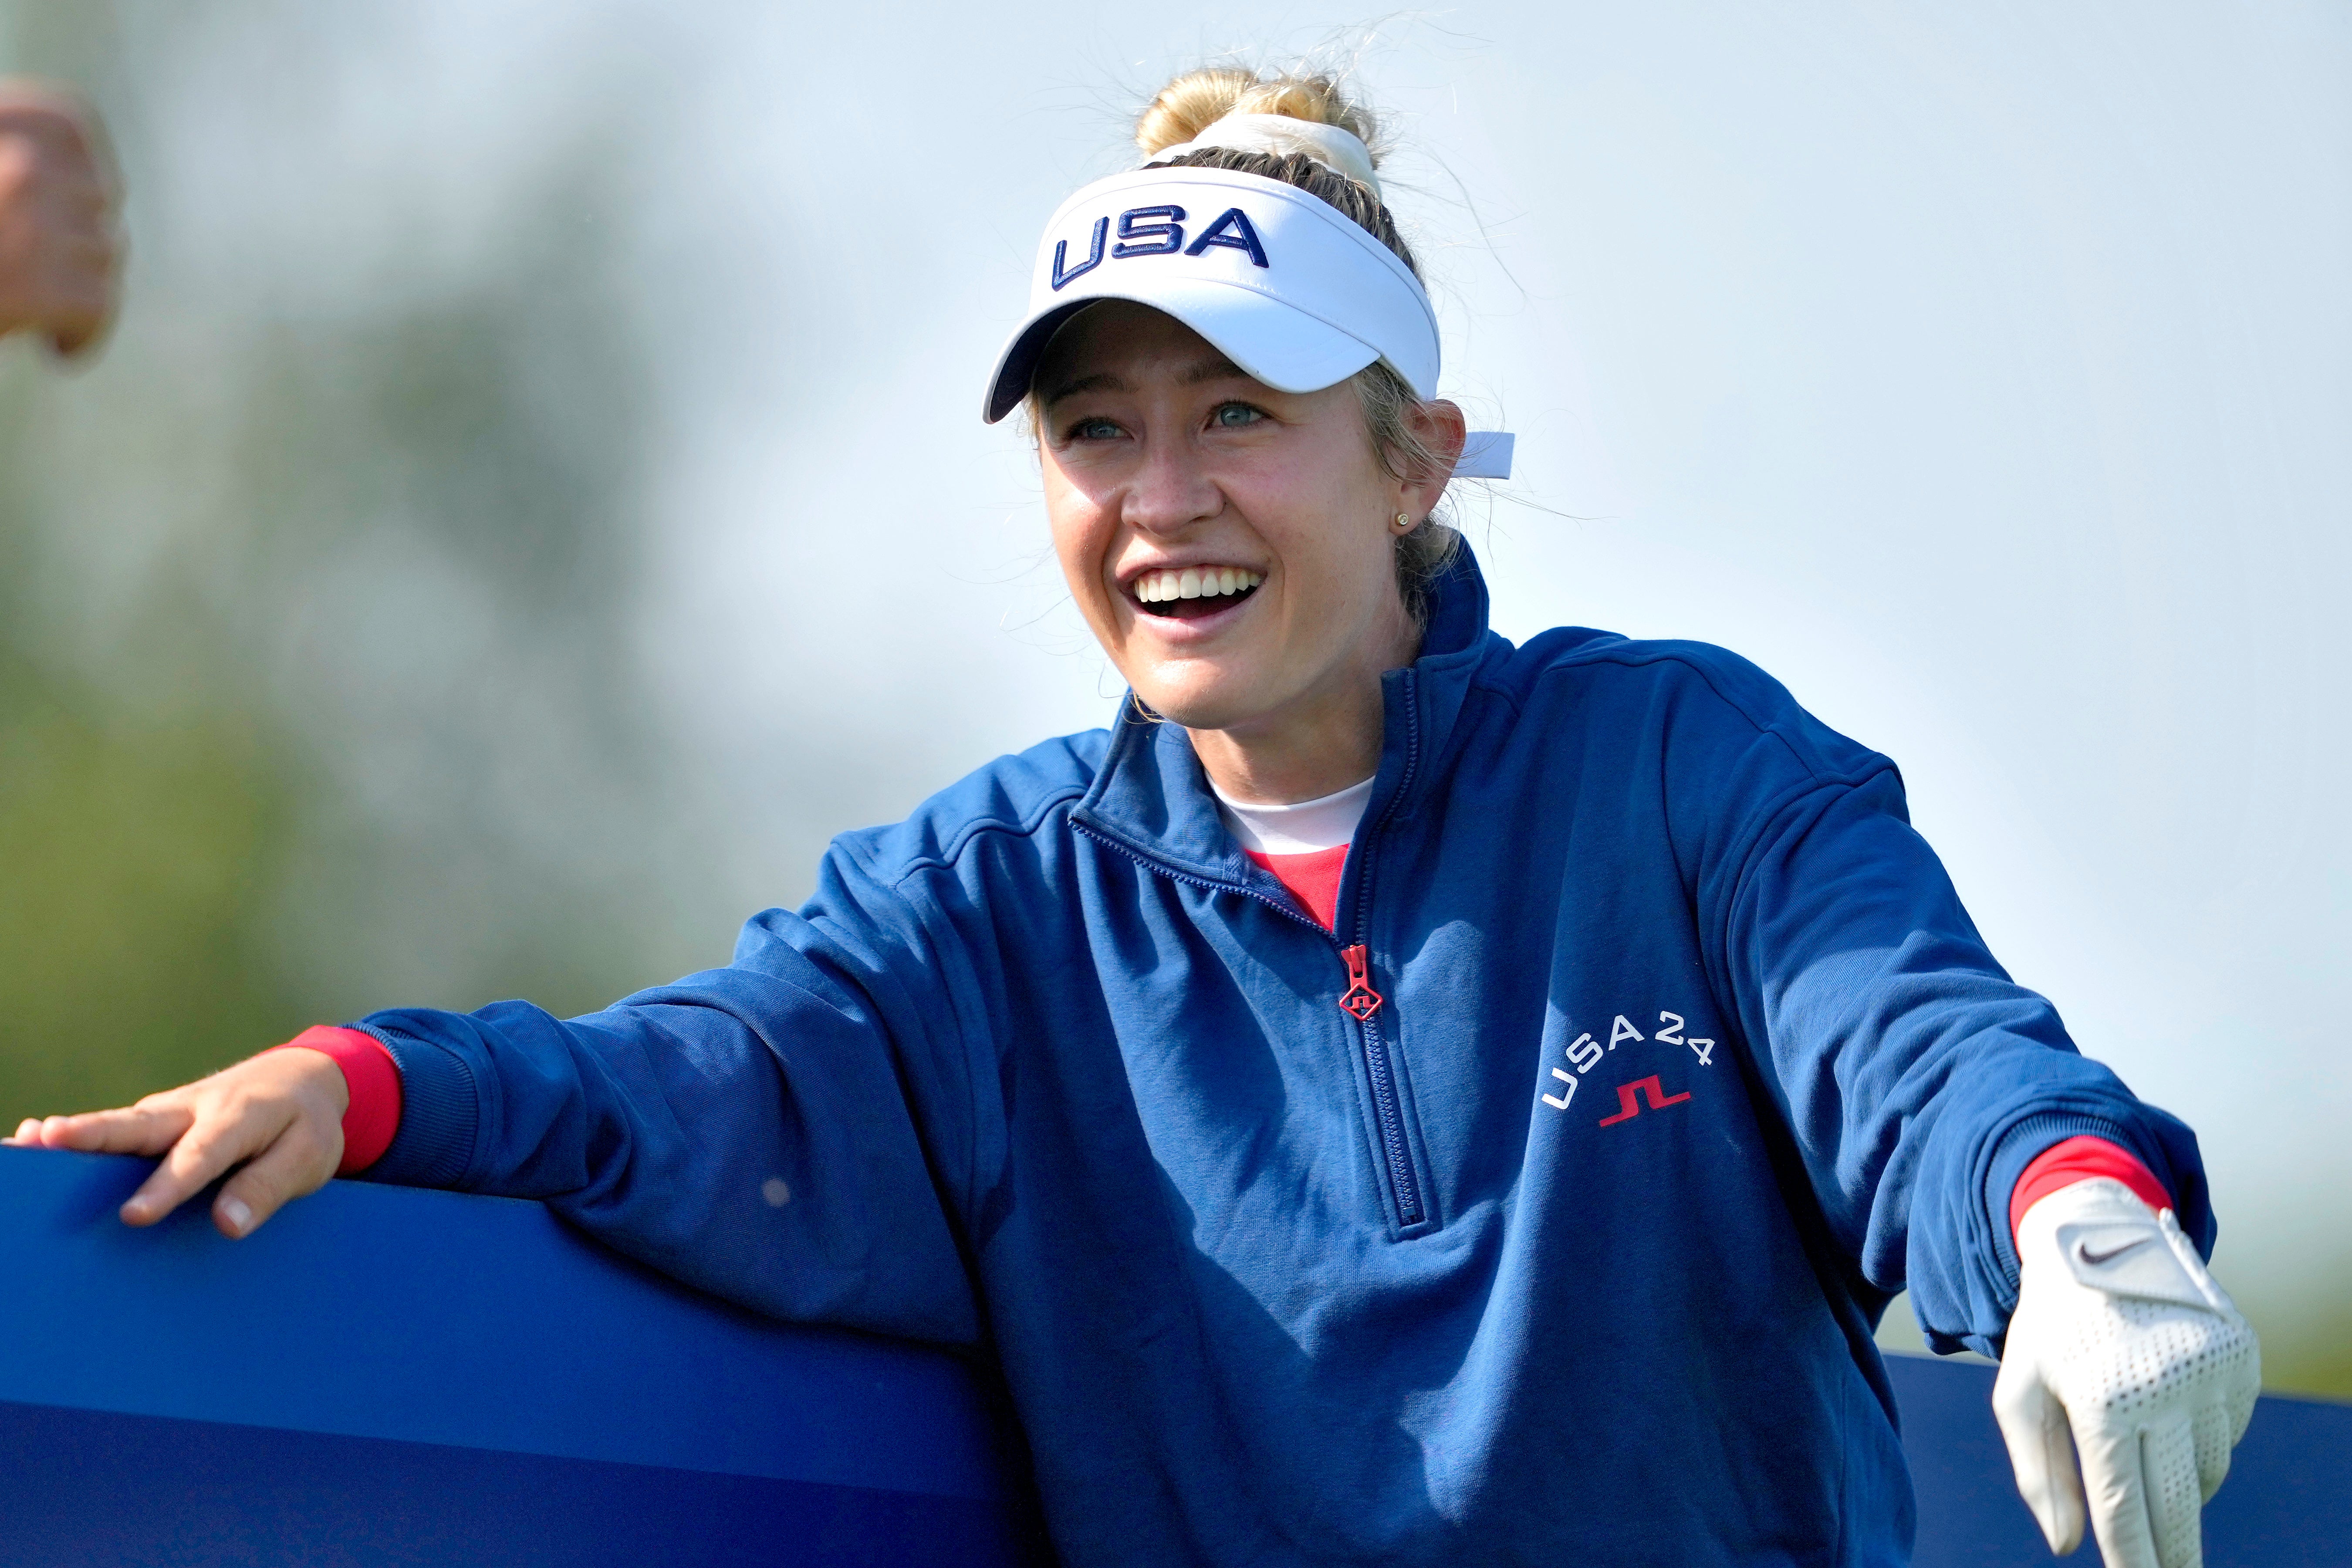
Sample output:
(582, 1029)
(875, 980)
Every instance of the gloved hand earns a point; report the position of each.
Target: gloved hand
(2122, 1343)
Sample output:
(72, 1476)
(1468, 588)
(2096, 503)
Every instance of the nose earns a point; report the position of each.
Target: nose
(1171, 490)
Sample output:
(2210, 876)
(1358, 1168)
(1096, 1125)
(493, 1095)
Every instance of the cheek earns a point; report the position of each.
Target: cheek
(1333, 556)
(1323, 510)
(1082, 535)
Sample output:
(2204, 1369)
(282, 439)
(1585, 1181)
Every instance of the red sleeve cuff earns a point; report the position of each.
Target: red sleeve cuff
(373, 1115)
(2080, 1160)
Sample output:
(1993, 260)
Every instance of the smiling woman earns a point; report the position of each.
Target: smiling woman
(1394, 1095)
(1272, 514)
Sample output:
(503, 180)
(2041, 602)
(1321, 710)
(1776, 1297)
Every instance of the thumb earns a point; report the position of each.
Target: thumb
(2041, 1452)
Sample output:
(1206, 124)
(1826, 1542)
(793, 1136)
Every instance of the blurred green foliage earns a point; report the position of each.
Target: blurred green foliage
(317, 688)
(135, 860)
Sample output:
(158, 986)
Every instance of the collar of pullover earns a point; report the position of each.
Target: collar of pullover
(1152, 793)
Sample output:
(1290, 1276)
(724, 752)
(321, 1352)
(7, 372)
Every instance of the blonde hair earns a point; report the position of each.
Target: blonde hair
(1197, 100)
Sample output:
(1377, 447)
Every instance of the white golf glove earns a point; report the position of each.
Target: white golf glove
(2122, 1347)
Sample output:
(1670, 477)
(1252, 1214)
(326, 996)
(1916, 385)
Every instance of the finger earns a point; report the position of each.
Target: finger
(70, 339)
(2168, 1468)
(298, 1163)
(76, 203)
(82, 306)
(2243, 1390)
(2213, 1444)
(76, 259)
(198, 1160)
(142, 1129)
(2116, 1492)
(2041, 1452)
(54, 121)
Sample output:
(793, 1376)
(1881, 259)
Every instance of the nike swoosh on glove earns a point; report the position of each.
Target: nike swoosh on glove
(2123, 1342)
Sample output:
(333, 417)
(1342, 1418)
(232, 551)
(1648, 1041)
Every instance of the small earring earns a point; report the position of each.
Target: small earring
(1403, 523)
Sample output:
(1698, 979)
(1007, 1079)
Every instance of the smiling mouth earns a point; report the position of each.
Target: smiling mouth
(1195, 591)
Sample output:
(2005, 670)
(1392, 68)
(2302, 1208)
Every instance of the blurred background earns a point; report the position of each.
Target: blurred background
(534, 497)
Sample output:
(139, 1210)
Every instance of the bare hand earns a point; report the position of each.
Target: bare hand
(59, 249)
(280, 1115)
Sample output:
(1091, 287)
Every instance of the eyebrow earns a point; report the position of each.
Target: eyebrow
(1104, 382)
(1216, 368)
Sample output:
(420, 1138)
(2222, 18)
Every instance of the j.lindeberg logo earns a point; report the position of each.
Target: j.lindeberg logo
(1158, 231)
(1629, 1104)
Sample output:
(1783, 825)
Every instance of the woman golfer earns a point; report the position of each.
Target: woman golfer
(1394, 1096)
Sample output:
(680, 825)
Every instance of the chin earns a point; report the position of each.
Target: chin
(1203, 705)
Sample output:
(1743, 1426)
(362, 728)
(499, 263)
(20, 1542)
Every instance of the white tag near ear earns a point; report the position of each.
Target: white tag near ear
(1485, 454)
(2128, 1259)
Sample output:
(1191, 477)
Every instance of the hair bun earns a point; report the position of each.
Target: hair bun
(1197, 100)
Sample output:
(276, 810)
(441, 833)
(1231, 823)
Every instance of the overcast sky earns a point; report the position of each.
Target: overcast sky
(1982, 373)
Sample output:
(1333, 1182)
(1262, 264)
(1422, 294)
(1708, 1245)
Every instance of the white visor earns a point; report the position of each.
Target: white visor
(1282, 283)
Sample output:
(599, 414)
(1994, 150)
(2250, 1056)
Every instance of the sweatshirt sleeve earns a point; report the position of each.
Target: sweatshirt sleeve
(783, 1133)
(1918, 1079)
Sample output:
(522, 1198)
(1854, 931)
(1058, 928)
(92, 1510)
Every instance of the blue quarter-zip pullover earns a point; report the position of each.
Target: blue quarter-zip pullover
(1539, 1212)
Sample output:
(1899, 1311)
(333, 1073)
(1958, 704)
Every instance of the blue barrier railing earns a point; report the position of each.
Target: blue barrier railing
(389, 1376)
(385, 1375)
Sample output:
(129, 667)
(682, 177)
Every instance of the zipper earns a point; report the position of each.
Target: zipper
(1363, 1002)
(1360, 1001)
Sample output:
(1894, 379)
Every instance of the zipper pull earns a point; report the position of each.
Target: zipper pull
(1360, 1000)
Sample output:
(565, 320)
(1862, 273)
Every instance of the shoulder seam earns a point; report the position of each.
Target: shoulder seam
(1509, 697)
(1622, 654)
(947, 857)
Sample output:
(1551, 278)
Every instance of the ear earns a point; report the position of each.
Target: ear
(1440, 430)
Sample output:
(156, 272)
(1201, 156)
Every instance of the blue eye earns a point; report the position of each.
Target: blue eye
(1094, 430)
(1236, 417)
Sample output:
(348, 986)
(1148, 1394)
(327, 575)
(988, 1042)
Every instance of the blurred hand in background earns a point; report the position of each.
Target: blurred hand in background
(58, 247)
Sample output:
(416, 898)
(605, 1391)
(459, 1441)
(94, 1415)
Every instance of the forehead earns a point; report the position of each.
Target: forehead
(1128, 343)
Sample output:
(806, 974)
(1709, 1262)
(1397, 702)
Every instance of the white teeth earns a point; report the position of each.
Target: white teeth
(1194, 583)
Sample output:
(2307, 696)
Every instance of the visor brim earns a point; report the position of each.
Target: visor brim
(1277, 343)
